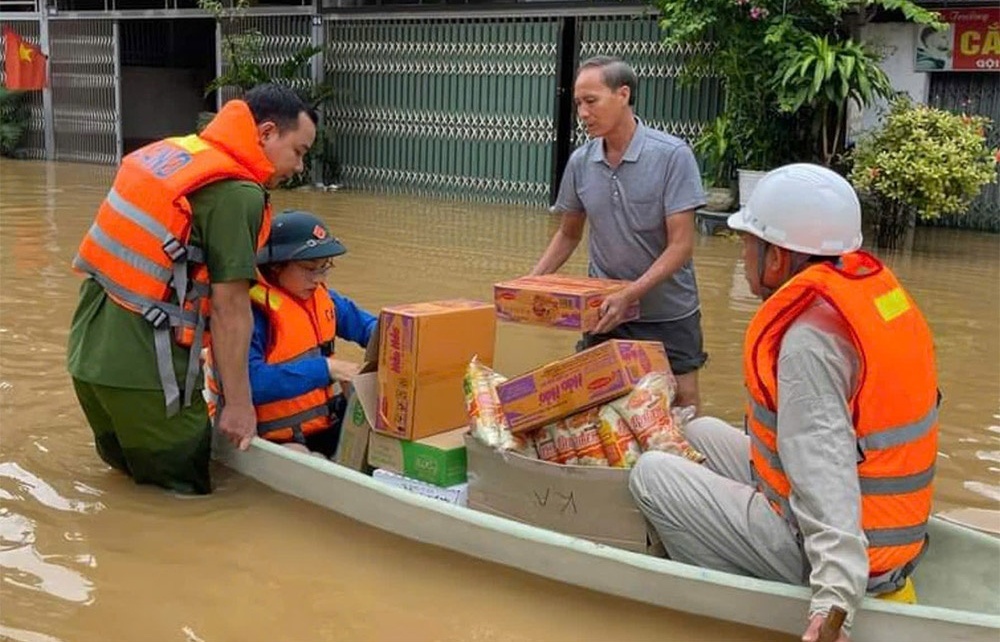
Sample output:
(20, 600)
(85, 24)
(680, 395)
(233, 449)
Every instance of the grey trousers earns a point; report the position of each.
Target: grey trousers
(711, 515)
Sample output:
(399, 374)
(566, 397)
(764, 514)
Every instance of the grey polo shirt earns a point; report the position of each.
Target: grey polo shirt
(627, 208)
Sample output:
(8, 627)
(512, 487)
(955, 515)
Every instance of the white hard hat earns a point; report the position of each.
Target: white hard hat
(804, 208)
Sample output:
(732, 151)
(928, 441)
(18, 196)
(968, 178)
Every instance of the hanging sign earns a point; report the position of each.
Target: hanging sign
(970, 43)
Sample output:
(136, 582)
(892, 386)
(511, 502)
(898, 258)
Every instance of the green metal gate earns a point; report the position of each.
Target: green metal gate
(973, 93)
(281, 36)
(459, 108)
(86, 91)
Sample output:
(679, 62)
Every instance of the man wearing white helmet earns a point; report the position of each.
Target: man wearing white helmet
(829, 485)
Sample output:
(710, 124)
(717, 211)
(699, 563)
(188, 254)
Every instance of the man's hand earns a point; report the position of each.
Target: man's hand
(613, 310)
(812, 631)
(239, 424)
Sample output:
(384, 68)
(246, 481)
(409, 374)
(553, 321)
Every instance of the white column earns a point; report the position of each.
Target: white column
(48, 118)
(218, 63)
(318, 74)
(116, 53)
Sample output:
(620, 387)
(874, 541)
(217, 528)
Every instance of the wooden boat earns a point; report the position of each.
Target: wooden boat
(958, 581)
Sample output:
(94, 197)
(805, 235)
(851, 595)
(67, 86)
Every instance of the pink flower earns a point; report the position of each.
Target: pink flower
(758, 13)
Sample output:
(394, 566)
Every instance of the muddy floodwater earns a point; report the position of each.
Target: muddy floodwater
(86, 556)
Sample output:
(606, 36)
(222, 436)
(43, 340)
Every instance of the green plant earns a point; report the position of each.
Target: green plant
(242, 49)
(924, 162)
(782, 104)
(714, 150)
(823, 75)
(13, 120)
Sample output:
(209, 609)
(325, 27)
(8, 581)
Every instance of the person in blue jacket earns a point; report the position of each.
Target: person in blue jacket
(294, 374)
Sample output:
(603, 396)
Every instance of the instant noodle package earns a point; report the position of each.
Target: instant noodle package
(613, 434)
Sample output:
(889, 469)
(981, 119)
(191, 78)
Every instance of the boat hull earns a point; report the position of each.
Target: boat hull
(643, 578)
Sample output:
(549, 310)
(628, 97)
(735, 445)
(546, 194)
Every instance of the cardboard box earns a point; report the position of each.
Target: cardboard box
(352, 447)
(424, 352)
(456, 494)
(588, 378)
(585, 501)
(557, 301)
(438, 459)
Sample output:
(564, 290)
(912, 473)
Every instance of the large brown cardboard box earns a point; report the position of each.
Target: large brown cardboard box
(424, 351)
(591, 502)
(557, 300)
(583, 380)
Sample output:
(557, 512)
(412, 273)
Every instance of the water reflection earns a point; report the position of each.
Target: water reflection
(24, 565)
(21, 635)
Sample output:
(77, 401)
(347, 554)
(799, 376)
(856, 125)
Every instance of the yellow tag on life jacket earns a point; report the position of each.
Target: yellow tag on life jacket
(892, 304)
(191, 143)
(259, 295)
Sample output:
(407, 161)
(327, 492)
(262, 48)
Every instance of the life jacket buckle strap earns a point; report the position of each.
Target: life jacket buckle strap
(156, 317)
(175, 250)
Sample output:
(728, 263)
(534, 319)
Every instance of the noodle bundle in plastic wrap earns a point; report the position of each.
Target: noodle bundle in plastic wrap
(486, 418)
(583, 429)
(620, 446)
(648, 414)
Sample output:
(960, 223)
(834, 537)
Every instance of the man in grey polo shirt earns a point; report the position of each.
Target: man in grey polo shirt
(639, 188)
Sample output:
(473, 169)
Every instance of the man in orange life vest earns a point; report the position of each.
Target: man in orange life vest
(831, 484)
(297, 318)
(173, 244)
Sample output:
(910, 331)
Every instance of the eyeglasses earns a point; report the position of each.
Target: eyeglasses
(317, 272)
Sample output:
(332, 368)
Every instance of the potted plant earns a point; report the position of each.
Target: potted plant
(715, 154)
(923, 163)
(784, 98)
(822, 75)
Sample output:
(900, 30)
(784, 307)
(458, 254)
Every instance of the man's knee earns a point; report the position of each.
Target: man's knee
(654, 475)
(703, 431)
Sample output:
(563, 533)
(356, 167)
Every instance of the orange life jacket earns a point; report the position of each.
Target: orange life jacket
(296, 330)
(137, 247)
(894, 407)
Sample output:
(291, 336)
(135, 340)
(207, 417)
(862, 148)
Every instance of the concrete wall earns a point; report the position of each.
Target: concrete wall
(895, 40)
(159, 102)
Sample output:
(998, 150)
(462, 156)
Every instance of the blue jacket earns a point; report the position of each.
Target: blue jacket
(273, 382)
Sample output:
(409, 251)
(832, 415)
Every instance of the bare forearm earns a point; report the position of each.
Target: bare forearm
(560, 248)
(232, 325)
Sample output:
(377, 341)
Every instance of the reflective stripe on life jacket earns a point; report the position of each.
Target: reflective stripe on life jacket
(894, 408)
(138, 250)
(296, 330)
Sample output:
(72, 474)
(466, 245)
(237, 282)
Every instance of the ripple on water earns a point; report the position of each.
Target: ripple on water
(25, 565)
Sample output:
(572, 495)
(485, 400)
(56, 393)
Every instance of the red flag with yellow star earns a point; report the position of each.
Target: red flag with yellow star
(24, 63)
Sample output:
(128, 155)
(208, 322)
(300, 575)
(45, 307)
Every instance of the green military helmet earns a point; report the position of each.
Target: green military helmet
(298, 236)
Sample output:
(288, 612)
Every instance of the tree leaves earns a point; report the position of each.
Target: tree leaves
(928, 160)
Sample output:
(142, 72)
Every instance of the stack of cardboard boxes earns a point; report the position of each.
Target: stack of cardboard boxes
(587, 501)
(407, 418)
